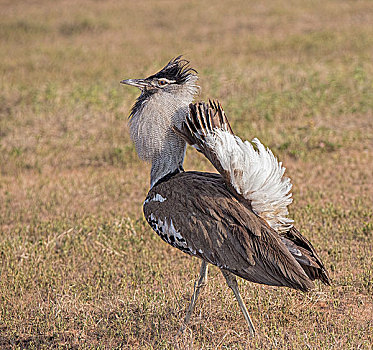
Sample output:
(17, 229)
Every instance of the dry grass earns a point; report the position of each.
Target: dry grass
(79, 266)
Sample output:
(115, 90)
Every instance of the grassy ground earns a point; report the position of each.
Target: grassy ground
(79, 266)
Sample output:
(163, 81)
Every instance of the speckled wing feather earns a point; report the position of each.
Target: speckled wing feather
(203, 118)
(196, 213)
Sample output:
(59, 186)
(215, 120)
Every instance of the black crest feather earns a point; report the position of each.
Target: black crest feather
(177, 69)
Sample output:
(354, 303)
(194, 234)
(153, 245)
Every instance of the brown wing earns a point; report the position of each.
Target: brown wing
(203, 119)
(196, 213)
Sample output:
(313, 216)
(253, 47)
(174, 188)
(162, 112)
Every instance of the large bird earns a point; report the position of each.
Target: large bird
(237, 219)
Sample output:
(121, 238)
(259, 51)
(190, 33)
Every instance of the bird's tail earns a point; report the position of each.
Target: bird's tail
(250, 170)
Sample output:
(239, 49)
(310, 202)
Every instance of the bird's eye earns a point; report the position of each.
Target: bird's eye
(162, 82)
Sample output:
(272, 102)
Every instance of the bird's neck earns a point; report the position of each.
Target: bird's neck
(169, 161)
(155, 141)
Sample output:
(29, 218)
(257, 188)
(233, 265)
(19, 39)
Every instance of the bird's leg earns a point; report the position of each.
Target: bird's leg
(232, 284)
(197, 288)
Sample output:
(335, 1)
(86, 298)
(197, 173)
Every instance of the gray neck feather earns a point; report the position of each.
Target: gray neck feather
(151, 129)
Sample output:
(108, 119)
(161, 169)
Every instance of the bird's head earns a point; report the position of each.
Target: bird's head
(162, 105)
(177, 79)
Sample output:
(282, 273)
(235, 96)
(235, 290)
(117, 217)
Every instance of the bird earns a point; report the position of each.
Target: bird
(236, 219)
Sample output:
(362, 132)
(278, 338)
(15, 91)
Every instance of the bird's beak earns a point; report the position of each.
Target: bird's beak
(139, 83)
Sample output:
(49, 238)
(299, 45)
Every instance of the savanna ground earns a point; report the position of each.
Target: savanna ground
(80, 268)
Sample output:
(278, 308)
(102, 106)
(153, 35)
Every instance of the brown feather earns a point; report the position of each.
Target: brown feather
(309, 260)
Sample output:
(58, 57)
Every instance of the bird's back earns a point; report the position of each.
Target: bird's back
(197, 213)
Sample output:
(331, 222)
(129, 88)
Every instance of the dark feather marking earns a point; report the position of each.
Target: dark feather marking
(209, 119)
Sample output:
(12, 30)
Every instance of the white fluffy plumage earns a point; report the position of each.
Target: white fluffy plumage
(257, 175)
